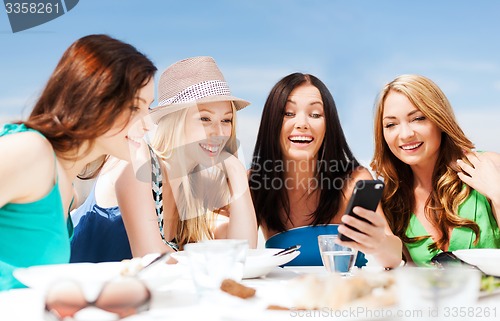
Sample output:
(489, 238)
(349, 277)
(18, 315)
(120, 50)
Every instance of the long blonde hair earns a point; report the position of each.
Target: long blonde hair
(448, 191)
(198, 199)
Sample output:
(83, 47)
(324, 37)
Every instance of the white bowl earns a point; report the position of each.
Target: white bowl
(258, 263)
(487, 260)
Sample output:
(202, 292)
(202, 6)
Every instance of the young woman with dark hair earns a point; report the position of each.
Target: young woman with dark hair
(88, 110)
(303, 171)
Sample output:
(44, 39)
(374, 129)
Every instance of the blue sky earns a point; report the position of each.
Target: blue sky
(355, 47)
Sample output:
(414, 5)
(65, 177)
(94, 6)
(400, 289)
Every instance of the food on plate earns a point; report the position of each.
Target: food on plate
(237, 289)
(277, 307)
(489, 283)
(372, 290)
(131, 267)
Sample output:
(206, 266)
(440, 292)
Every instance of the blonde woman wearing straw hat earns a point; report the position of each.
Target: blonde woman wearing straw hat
(191, 172)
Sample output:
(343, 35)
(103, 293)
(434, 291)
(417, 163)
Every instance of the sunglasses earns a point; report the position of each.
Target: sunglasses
(123, 296)
(447, 259)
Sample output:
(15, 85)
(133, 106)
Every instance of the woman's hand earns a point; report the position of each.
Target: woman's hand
(236, 174)
(373, 239)
(483, 175)
(242, 219)
(370, 237)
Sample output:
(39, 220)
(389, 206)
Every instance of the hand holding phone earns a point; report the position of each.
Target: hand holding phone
(366, 194)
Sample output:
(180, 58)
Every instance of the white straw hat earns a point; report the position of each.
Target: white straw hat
(191, 81)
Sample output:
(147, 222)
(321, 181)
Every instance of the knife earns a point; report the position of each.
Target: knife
(288, 250)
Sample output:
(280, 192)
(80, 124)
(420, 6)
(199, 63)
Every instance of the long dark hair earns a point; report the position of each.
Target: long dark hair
(95, 81)
(269, 201)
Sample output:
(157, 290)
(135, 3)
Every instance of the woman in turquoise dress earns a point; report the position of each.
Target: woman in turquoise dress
(440, 195)
(89, 109)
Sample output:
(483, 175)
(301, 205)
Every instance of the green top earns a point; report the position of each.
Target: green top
(31, 233)
(475, 208)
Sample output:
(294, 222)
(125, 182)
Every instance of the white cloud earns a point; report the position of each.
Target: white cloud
(13, 101)
(481, 126)
(253, 80)
(458, 65)
(6, 119)
(496, 85)
(440, 63)
(14, 107)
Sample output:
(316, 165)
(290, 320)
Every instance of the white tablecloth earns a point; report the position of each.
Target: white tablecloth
(179, 301)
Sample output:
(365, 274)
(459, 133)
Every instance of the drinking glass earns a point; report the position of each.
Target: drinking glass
(215, 260)
(336, 258)
(432, 293)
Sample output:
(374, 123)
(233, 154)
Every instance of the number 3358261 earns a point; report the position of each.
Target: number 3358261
(31, 8)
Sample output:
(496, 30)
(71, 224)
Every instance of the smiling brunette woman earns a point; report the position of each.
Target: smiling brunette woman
(303, 172)
(99, 89)
(425, 158)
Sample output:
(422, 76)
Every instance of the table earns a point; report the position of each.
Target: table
(178, 301)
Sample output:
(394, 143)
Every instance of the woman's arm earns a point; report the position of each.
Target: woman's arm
(483, 176)
(242, 220)
(135, 198)
(376, 238)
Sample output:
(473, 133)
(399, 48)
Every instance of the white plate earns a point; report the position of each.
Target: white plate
(259, 262)
(40, 277)
(487, 260)
(281, 294)
(92, 276)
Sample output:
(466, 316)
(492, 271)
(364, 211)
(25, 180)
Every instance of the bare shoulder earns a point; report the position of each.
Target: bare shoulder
(138, 170)
(27, 168)
(23, 149)
(130, 177)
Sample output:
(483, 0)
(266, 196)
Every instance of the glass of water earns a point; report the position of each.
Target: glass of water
(336, 258)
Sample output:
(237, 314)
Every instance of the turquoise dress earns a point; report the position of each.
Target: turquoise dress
(475, 208)
(31, 233)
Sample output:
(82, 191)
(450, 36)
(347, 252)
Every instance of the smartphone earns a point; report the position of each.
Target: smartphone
(366, 194)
